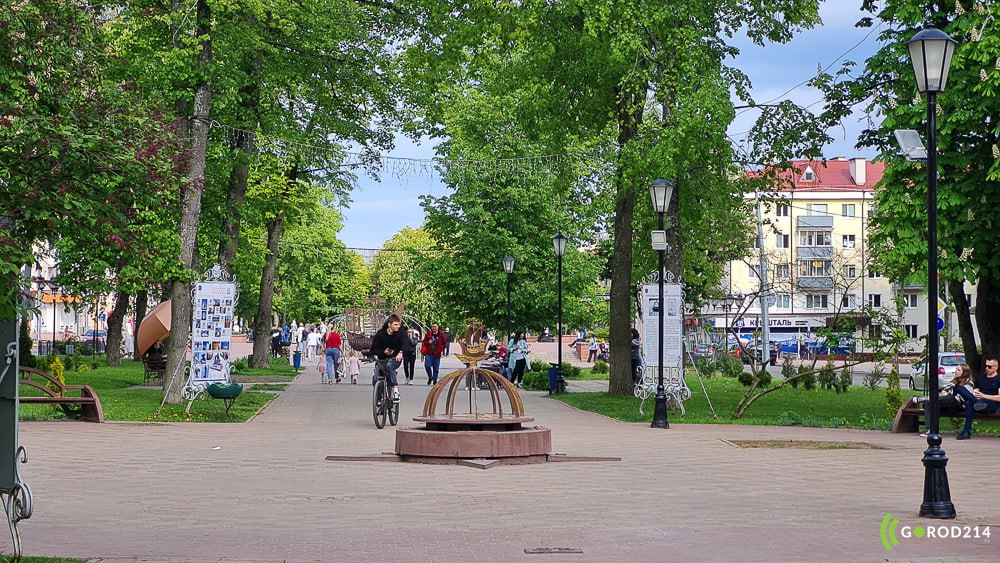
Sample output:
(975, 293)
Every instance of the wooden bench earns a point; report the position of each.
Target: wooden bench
(155, 368)
(910, 416)
(81, 402)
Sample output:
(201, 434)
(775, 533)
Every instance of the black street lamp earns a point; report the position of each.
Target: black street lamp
(660, 192)
(508, 266)
(930, 53)
(559, 244)
(52, 286)
(728, 303)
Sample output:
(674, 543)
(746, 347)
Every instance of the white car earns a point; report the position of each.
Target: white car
(947, 362)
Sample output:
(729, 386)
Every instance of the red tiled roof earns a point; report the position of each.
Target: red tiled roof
(832, 175)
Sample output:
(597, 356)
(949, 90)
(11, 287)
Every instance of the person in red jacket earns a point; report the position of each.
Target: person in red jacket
(332, 356)
(433, 346)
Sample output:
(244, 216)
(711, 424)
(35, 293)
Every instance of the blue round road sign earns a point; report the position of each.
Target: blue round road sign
(940, 324)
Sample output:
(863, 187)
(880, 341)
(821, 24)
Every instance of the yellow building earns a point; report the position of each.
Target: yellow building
(817, 257)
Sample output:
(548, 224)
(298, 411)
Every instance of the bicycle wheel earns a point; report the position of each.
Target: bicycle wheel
(393, 412)
(378, 404)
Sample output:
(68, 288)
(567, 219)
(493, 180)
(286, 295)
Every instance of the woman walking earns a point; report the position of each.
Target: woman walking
(636, 347)
(410, 354)
(518, 349)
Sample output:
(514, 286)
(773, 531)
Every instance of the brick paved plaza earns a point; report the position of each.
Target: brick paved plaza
(262, 491)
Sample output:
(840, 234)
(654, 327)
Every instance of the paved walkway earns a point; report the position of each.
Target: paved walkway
(262, 491)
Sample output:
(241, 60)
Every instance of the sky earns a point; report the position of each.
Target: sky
(383, 207)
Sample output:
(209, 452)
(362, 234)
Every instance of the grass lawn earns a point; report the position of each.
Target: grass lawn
(860, 407)
(123, 401)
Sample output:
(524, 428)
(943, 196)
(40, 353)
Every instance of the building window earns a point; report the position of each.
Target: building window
(875, 300)
(848, 241)
(752, 273)
(814, 209)
(809, 175)
(910, 300)
(782, 271)
(815, 238)
(848, 210)
(850, 271)
(968, 299)
(911, 331)
(781, 210)
(813, 268)
(849, 301)
(874, 274)
(875, 332)
(816, 301)
(782, 241)
(783, 301)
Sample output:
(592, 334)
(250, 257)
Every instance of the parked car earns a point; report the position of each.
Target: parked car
(703, 350)
(98, 339)
(947, 362)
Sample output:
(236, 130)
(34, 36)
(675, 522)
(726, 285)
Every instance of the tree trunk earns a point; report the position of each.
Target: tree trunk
(180, 290)
(115, 321)
(242, 142)
(956, 290)
(141, 303)
(262, 325)
(620, 324)
(987, 315)
(629, 117)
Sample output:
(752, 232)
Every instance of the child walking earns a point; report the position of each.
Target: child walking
(354, 366)
(321, 366)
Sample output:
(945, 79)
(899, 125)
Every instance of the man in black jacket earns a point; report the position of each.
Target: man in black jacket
(387, 345)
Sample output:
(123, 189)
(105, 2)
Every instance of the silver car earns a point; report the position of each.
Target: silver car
(947, 362)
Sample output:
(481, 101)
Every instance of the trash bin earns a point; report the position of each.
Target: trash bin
(70, 349)
(554, 379)
(297, 360)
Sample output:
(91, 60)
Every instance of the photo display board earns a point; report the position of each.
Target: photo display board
(673, 324)
(212, 332)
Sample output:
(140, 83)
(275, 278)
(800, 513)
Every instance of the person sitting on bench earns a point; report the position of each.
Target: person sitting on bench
(983, 399)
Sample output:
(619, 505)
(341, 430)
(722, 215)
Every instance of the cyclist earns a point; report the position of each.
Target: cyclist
(387, 346)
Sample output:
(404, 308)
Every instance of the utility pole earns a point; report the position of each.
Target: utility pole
(764, 295)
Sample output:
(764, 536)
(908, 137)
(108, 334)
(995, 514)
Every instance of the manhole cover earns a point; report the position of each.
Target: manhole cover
(805, 444)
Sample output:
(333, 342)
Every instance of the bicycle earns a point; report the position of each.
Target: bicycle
(382, 403)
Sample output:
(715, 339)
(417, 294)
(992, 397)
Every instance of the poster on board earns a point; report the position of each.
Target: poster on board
(212, 332)
(673, 324)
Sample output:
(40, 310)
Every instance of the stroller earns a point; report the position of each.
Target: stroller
(496, 362)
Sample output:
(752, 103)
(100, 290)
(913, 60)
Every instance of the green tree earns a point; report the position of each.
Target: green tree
(399, 274)
(642, 87)
(967, 126)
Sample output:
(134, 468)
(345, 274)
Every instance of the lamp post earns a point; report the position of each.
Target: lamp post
(660, 191)
(930, 53)
(508, 266)
(559, 245)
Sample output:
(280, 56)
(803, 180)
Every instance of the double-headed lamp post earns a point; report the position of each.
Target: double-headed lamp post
(508, 266)
(660, 191)
(559, 244)
(930, 53)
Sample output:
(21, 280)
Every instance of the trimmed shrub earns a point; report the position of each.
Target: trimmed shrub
(536, 381)
(828, 376)
(846, 379)
(600, 366)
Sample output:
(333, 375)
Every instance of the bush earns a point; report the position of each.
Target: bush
(788, 370)
(730, 366)
(706, 366)
(790, 418)
(569, 371)
(873, 379)
(536, 381)
(828, 376)
(26, 358)
(846, 379)
(808, 377)
(600, 366)
(239, 365)
(893, 396)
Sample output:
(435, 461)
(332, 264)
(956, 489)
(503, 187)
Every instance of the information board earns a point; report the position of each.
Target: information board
(673, 324)
(212, 332)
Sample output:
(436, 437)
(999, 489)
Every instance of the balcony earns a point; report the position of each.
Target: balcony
(814, 253)
(815, 222)
(815, 282)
